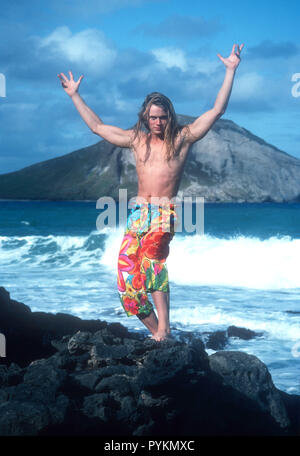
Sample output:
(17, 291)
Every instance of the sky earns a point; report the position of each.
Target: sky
(126, 49)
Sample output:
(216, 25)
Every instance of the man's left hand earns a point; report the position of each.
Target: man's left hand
(232, 62)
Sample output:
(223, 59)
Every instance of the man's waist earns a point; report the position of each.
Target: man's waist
(153, 201)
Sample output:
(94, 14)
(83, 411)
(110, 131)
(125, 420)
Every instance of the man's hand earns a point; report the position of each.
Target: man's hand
(69, 85)
(114, 135)
(203, 123)
(232, 62)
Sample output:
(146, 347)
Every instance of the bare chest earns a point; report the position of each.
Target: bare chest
(150, 157)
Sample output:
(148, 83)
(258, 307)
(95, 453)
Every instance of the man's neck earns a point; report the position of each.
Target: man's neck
(156, 139)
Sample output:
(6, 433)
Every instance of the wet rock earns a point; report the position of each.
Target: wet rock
(35, 403)
(242, 333)
(248, 375)
(112, 382)
(10, 375)
(29, 334)
(217, 340)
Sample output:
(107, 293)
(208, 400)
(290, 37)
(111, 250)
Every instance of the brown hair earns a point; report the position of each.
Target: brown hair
(172, 126)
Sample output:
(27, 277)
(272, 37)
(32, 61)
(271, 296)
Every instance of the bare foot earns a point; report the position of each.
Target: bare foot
(161, 334)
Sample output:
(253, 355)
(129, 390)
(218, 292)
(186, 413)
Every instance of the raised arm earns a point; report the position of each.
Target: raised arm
(114, 135)
(202, 124)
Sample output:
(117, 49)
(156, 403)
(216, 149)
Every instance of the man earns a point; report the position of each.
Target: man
(160, 153)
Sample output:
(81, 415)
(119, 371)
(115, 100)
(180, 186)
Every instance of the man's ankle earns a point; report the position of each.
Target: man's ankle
(165, 329)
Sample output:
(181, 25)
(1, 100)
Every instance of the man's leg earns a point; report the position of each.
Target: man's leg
(131, 282)
(162, 304)
(155, 249)
(153, 252)
(150, 322)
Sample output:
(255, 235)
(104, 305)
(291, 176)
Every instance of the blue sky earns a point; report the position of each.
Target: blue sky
(128, 48)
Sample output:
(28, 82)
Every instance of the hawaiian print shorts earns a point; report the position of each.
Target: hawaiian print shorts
(142, 258)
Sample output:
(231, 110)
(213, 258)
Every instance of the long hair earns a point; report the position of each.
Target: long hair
(172, 127)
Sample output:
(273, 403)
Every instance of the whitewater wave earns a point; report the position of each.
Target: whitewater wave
(275, 325)
(237, 262)
(200, 260)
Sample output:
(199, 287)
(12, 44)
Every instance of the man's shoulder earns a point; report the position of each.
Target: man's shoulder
(138, 137)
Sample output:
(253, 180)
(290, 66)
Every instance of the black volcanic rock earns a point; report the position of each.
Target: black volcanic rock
(113, 382)
(217, 340)
(28, 334)
(229, 164)
(247, 374)
(242, 333)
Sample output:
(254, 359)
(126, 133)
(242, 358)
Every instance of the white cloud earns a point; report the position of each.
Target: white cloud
(203, 65)
(249, 85)
(171, 57)
(88, 47)
(175, 57)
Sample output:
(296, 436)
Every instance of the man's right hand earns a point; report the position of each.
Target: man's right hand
(69, 85)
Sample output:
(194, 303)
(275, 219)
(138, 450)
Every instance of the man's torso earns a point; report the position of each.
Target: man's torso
(158, 177)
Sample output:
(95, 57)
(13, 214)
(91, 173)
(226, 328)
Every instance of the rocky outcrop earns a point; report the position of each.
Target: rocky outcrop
(248, 375)
(229, 164)
(28, 334)
(218, 340)
(113, 382)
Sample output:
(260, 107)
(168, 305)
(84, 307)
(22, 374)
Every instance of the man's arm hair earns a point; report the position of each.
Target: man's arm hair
(114, 135)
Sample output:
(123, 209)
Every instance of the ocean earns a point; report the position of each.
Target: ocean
(242, 271)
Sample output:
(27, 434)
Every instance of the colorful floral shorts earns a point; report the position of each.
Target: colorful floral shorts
(142, 259)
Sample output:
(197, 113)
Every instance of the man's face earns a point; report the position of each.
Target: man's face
(157, 120)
